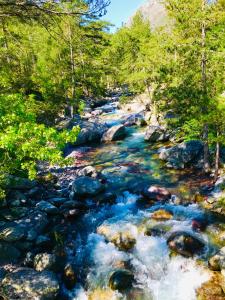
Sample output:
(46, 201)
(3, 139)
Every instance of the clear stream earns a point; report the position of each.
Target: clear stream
(129, 166)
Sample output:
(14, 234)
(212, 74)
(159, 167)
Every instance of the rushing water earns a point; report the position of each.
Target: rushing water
(129, 166)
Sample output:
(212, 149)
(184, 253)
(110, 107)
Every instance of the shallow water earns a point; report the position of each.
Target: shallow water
(129, 166)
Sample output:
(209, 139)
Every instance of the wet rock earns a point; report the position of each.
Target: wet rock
(185, 244)
(88, 171)
(156, 193)
(69, 276)
(123, 239)
(156, 134)
(162, 215)
(47, 207)
(217, 262)
(44, 261)
(11, 233)
(199, 224)
(115, 133)
(183, 155)
(8, 253)
(157, 230)
(25, 283)
(86, 186)
(121, 280)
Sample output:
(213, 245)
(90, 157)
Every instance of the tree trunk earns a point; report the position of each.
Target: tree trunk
(72, 66)
(217, 159)
(204, 91)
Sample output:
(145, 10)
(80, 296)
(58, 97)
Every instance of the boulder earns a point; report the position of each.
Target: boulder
(44, 261)
(115, 133)
(86, 186)
(162, 215)
(88, 171)
(135, 119)
(26, 283)
(47, 207)
(217, 262)
(184, 243)
(121, 280)
(187, 154)
(90, 132)
(11, 233)
(156, 193)
(156, 134)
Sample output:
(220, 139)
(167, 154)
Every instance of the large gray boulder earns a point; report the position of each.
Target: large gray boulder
(86, 186)
(115, 133)
(183, 155)
(26, 283)
(156, 134)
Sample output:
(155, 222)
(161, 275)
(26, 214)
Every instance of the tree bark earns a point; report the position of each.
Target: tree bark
(204, 91)
(217, 159)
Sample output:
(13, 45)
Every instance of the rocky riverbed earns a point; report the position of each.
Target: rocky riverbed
(130, 218)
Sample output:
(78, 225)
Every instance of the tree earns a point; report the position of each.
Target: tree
(36, 9)
(198, 74)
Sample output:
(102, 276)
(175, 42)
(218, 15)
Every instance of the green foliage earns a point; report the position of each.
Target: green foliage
(24, 142)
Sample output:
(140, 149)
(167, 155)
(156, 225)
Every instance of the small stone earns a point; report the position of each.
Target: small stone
(69, 277)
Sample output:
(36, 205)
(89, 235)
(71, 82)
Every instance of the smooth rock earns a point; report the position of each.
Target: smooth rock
(12, 233)
(47, 207)
(121, 280)
(185, 244)
(86, 186)
(115, 133)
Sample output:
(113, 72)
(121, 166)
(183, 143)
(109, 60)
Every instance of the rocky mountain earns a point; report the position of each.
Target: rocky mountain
(154, 11)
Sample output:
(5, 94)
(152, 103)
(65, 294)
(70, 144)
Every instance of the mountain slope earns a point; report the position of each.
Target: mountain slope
(155, 12)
